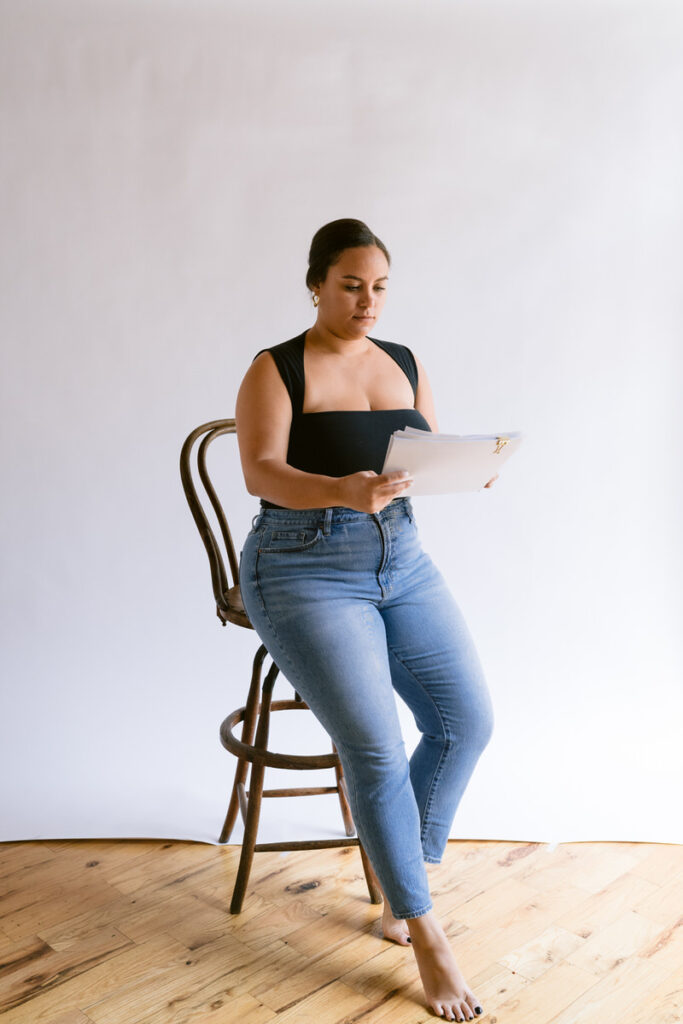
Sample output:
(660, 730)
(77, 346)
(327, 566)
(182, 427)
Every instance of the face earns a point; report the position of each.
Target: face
(353, 293)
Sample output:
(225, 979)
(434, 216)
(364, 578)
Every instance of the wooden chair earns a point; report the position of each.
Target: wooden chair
(252, 749)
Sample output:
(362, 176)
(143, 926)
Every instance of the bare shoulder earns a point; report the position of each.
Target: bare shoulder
(418, 363)
(421, 372)
(262, 367)
(263, 411)
(263, 381)
(424, 400)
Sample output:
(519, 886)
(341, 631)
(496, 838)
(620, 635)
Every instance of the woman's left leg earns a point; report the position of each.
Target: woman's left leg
(436, 670)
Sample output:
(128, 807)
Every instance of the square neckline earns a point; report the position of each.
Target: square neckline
(347, 412)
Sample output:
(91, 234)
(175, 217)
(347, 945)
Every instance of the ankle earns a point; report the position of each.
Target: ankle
(425, 927)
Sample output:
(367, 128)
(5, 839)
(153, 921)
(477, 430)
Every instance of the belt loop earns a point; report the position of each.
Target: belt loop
(327, 522)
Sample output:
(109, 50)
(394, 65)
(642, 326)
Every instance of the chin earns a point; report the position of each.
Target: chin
(361, 329)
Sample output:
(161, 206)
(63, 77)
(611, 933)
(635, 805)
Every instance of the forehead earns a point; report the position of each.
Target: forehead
(367, 261)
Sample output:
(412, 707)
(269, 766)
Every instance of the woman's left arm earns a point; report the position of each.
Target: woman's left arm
(424, 403)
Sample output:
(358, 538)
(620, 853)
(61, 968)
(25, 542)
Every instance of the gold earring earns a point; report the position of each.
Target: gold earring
(316, 299)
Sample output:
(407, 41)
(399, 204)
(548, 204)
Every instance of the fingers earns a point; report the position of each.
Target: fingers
(387, 487)
(398, 477)
(394, 488)
(386, 480)
(367, 491)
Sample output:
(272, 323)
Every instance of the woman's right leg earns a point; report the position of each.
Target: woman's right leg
(328, 639)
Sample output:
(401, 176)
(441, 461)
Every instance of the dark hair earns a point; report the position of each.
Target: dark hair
(330, 241)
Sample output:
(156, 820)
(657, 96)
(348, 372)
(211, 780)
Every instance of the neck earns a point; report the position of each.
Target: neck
(325, 341)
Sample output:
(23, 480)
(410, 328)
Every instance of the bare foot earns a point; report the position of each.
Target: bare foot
(393, 928)
(446, 990)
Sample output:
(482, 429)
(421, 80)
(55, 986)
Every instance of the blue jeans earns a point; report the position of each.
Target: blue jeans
(351, 609)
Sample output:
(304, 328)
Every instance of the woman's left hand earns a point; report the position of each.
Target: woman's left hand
(491, 480)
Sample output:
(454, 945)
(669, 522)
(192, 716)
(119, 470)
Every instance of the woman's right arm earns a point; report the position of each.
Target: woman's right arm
(263, 415)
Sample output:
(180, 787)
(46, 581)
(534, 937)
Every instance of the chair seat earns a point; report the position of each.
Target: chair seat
(233, 611)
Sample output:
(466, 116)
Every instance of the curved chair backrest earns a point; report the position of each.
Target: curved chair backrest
(229, 606)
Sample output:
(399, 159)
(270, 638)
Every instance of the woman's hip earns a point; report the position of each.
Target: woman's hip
(325, 549)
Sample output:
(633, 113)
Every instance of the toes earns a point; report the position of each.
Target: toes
(473, 1007)
(461, 1013)
(448, 1014)
(399, 937)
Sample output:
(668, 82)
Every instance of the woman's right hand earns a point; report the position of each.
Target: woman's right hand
(368, 491)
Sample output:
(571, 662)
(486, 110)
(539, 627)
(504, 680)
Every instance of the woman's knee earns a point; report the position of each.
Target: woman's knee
(374, 761)
(485, 722)
(475, 725)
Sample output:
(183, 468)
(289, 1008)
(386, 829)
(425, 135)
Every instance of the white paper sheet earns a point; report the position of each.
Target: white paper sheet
(448, 463)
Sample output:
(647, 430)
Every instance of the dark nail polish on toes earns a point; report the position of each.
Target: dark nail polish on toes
(478, 1009)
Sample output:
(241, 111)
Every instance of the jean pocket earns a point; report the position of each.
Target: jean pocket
(280, 540)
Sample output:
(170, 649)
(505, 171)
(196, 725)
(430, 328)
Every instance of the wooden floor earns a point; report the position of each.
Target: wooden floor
(140, 932)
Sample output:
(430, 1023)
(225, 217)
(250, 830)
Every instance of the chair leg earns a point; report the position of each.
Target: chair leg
(249, 840)
(374, 888)
(255, 795)
(349, 826)
(256, 788)
(233, 806)
(250, 715)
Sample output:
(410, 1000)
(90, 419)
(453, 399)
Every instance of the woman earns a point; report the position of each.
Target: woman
(335, 583)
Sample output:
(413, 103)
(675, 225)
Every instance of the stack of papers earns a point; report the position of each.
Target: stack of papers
(448, 463)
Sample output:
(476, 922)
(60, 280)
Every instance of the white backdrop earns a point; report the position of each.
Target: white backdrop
(164, 166)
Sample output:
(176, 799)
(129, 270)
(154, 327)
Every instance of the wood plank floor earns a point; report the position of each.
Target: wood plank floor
(107, 932)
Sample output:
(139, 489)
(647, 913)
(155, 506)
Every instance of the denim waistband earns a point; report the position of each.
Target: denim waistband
(325, 517)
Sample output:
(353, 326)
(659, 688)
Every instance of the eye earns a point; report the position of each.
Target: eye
(380, 288)
(352, 287)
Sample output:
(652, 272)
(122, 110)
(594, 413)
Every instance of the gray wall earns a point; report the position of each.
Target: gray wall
(164, 166)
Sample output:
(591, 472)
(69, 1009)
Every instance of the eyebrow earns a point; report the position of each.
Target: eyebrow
(354, 277)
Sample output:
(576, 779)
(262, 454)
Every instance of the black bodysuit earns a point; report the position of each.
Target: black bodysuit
(338, 443)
